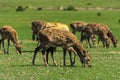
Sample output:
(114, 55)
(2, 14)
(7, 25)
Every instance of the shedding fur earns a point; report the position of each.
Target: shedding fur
(86, 33)
(64, 39)
(40, 25)
(104, 34)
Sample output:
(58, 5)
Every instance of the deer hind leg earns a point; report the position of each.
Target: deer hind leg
(36, 51)
(88, 40)
(2, 41)
(64, 55)
(51, 49)
(93, 38)
(98, 42)
(104, 43)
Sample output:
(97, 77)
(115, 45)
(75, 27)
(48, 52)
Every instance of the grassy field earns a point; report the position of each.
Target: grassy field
(46, 3)
(19, 67)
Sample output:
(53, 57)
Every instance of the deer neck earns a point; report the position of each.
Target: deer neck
(16, 43)
(79, 49)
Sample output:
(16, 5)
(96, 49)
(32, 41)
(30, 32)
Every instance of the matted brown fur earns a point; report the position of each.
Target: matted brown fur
(60, 38)
(39, 25)
(77, 26)
(86, 33)
(104, 34)
(9, 33)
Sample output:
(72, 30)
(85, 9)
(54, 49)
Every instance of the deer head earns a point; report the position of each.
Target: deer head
(18, 48)
(86, 59)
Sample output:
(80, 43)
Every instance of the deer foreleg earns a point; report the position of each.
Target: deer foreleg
(72, 50)
(89, 42)
(70, 58)
(98, 42)
(35, 52)
(8, 46)
(47, 56)
(33, 36)
(64, 55)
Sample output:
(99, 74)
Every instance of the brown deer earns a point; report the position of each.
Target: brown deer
(90, 30)
(77, 26)
(60, 38)
(86, 34)
(39, 25)
(9, 33)
(103, 33)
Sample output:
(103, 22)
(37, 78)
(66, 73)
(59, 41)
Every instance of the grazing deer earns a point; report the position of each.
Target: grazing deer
(104, 34)
(39, 25)
(60, 38)
(9, 33)
(86, 34)
(101, 32)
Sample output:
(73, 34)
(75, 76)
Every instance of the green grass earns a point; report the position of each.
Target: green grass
(19, 67)
(46, 3)
(14, 67)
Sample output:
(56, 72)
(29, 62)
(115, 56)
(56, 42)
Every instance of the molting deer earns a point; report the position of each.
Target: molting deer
(60, 38)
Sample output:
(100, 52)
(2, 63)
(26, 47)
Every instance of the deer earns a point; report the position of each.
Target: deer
(104, 34)
(39, 25)
(80, 26)
(64, 39)
(9, 33)
(101, 32)
(91, 30)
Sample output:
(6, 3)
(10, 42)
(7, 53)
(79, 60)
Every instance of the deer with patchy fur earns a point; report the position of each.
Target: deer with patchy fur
(104, 34)
(39, 25)
(90, 30)
(86, 34)
(9, 33)
(101, 31)
(60, 38)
